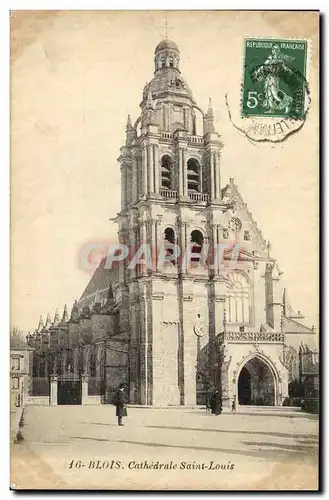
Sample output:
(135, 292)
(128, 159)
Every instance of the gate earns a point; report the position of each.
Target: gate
(40, 386)
(69, 390)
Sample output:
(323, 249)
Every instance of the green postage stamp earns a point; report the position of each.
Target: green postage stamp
(274, 78)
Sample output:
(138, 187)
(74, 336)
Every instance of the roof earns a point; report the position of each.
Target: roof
(293, 326)
(230, 193)
(166, 44)
(19, 345)
(168, 80)
(101, 279)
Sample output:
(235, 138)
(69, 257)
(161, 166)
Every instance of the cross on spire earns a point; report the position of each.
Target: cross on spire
(167, 29)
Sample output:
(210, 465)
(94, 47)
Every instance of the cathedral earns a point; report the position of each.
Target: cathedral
(177, 330)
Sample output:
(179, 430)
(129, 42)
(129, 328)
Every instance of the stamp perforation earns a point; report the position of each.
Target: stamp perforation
(307, 71)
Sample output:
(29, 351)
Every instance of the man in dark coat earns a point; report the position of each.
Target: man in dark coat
(120, 403)
(208, 405)
(216, 403)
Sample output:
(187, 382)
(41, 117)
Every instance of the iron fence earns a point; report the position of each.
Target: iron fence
(40, 386)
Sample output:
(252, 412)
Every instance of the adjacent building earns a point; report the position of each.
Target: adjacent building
(20, 371)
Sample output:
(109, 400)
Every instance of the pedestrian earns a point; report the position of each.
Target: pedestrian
(120, 403)
(216, 403)
(233, 405)
(208, 406)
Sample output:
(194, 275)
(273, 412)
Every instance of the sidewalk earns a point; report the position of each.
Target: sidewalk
(15, 418)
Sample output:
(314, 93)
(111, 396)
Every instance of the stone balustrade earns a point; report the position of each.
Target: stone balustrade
(194, 196)
(169, 194)
(263, 337)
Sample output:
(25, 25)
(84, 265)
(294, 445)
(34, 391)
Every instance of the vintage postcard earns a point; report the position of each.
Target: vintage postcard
(164, 250)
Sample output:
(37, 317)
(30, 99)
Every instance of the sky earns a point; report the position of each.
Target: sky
(75, 76)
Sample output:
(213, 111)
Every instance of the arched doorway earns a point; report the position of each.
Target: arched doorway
(256, 384)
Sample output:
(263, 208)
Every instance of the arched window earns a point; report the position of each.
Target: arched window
(193, 175)
(166, 172)
(171, 62)
(169, 237)
(101, 364)
(247, 236)
(163, 62)
(42, 366)
(238, 298)
(193, 123)
(92, 365)
(196, 245)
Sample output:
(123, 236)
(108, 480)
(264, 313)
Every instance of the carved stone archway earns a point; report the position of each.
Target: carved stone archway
(257, 381)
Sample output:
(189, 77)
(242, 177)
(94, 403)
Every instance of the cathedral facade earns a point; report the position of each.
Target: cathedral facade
(211, 313)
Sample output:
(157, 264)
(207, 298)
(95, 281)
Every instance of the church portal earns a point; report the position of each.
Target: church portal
(256, 384)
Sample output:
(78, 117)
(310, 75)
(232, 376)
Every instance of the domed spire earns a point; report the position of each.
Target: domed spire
(56, 318)
(149, 101)
(210, 111)
(40, 325)
(129, 125)
(110, 302)
(166, 44)
(65, 316)
(166, 55)
(48, 321)
(75, 315)
(149, 116)
(209, 119)
(130, 132)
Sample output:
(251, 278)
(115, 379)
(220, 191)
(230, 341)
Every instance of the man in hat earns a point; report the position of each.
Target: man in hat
(216, 403)
(120, 403)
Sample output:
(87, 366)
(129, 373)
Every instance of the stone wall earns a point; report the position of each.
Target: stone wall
(38, 400)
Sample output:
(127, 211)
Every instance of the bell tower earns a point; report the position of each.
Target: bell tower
(171, 195)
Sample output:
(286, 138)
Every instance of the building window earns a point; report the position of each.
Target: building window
(15, 383)
(171, 62)
(42, 367)
(196, 245)
(238, 298)
(92, 366)
(15, 364)
(246, 236)
(166, 172)
(170, 235)
(193, 175)
(139, 179)
(169, 240)
(101, 363)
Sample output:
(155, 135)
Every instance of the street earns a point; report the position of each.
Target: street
(82, 447)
